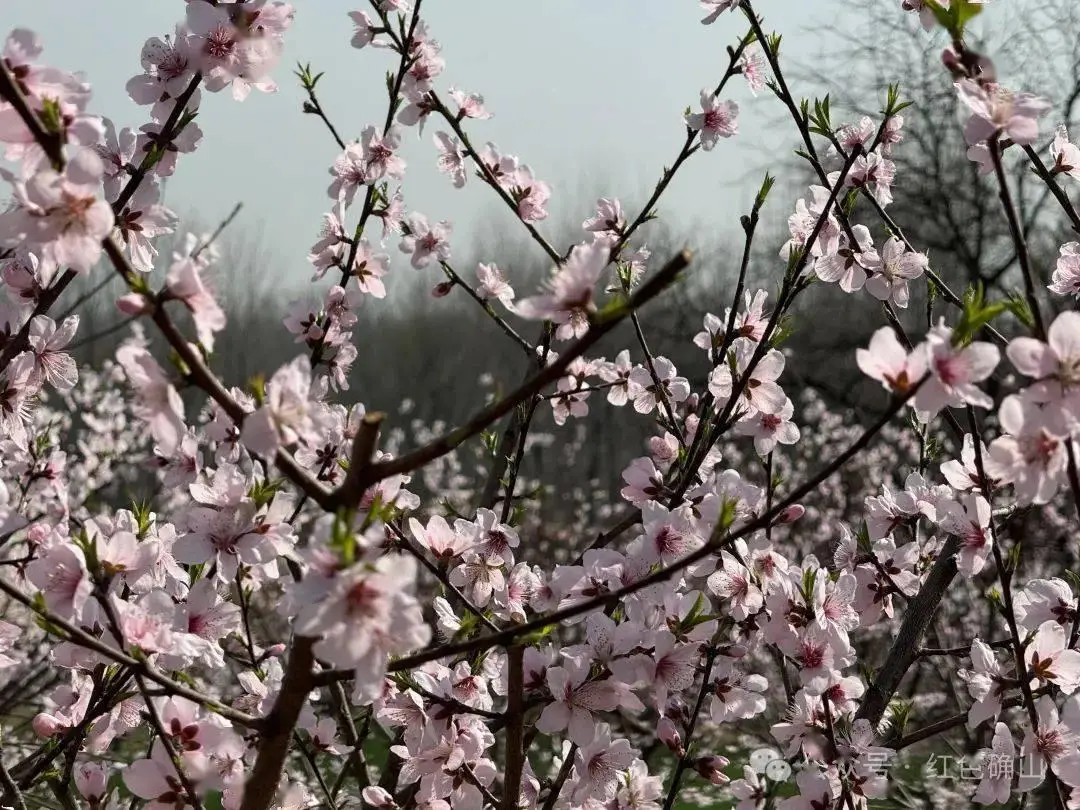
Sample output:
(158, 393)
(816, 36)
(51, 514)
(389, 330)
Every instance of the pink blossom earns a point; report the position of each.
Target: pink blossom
(617, 375)
(159, 403)
(575, 699)
(753, 67)
(872, 171)
(888, 362)
(1031, 454)
(717, 7)
(286, 414)
(451, 160)
(53, 365)
(368, 614)
(185, 283)
(368, 268)
(1054, 365)
(152, 138)
(61, 576)
(116, 155)
(62, 213)
(1066, 277)
(954, 372)
(964, 475)
(804, 221)
(970, 521)
(608, 221)
(167, 69)
(598, 765)
(761, 393)
(531, 195)
(849, 265)
(735, 584)
(570, 300)
(365, 30)
(380, 154)
(716, 120)
(493, 284)
(142, 220)
(995, 783)
(1049, 659)
(997, 110)
(898, 265)
(1066, 154)
(1054, 744)
(349, 172)
(770, 429)
(644, 392)
(330, 250)
(568, 400)
(470, 105)
(426, 242)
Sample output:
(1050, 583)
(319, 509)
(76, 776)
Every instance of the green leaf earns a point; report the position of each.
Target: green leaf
(1017, 304)
(785, 328)
(763, 192)
(956, 17)
(257, 387)
(728, 510)
(51, 116)
(264, 491)
(977, 313)
(1074, 580)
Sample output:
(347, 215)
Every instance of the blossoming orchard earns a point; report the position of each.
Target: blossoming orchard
(303, 616)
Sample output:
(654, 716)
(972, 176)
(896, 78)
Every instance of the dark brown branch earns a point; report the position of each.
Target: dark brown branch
(515, 715)
(363, 450)
(904, 650)
(262, 785)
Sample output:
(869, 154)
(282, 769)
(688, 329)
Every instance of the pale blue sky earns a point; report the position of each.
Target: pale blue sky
(588, 92)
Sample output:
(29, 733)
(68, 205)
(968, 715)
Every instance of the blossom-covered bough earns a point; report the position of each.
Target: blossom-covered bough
(282, 623)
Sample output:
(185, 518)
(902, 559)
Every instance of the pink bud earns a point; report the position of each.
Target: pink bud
(668, 734)
(38, 534)
(92, 780)
(377, 797)
(952, 63)
(133, 304)
(711, 768)
(275, 650)
(791, 514)
(45, 725)
(443, 289)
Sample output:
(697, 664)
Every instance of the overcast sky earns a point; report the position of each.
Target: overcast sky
(589, 93)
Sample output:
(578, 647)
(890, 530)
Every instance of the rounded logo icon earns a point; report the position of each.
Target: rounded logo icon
(760, 759)
(778, 770)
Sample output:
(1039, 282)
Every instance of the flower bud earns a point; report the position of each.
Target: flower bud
(791, 514)
(443, 289)
(91, 780)
(38, 534)
(669, 735)
(377, 797)
(712, 768)
(45, 725)
(133, 304)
